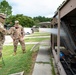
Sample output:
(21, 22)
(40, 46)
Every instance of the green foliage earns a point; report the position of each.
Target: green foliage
(5, 8)
(41, 19)
(25, 21)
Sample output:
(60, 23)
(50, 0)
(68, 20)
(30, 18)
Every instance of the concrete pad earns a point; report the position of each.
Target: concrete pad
(26, 36)
(43, 54)
(20, 73)
(42, 69)
(45, 42)
(8, 39)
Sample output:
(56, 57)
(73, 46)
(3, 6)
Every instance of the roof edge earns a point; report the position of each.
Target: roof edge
(61, 6)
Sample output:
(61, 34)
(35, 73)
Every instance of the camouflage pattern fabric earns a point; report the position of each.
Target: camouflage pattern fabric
(17, 34)
(2, 35)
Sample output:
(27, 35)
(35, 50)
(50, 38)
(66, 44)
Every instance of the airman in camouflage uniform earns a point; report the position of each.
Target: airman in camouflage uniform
(17, 34)
(2, 32)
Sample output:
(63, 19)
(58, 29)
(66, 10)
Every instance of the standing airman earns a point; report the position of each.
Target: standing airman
(17, 34)
(2, 32)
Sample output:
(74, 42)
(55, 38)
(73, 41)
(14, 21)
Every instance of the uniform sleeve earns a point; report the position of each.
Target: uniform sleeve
(22, 32)
(10, 30)
(3, 30)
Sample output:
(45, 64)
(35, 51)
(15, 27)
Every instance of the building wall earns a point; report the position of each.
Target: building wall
(44, 30)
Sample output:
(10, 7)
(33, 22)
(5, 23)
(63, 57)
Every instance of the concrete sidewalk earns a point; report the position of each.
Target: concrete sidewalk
(9, 41)
(19, 43)
(37, 37)
(42, 64)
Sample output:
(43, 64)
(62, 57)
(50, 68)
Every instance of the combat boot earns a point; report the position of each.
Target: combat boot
(14, 53)
(24, 51)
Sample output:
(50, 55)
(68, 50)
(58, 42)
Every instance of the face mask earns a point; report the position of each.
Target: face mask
(16, 27)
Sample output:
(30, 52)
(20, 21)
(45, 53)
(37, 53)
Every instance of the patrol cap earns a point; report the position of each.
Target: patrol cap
(16, 21)
(2, 15)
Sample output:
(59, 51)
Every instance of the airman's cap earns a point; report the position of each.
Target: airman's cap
(2, 15)
(16, 21)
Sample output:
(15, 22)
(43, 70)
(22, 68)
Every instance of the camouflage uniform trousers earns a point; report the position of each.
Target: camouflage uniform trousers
(1, 46)
(15, 43)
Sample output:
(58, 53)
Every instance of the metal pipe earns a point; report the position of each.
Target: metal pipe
(53, 47)
(58, 36)
(69, 67)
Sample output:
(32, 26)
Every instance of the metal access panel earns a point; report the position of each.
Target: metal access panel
(66, 63)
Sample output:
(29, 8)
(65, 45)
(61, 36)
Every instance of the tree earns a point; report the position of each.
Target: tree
(42, 19)
(5, 8)
(25, 21)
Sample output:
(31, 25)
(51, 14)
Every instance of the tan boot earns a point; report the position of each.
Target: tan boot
(14, 53)
(24, 51)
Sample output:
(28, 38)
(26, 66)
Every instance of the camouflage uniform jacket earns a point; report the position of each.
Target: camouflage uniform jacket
(17, 33)
(2, 32)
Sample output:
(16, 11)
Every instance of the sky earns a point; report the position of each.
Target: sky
(34, 8)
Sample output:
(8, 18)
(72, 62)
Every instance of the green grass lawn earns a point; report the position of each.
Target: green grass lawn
(39, 34)
(35, 39)
(17, 63)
